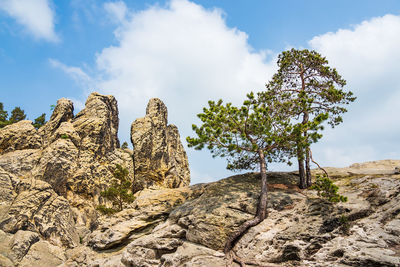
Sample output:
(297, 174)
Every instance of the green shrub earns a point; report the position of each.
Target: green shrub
(124, 145)
(327, 189)
(118, 193)
(107, 211)
(64, 136)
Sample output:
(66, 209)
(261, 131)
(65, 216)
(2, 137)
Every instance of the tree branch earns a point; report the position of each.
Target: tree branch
(326, 173)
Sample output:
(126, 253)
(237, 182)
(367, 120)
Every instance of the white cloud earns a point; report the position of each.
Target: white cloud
(76, 73)
(367, 56)
(116, 10)
(185, 55)
(35, 15)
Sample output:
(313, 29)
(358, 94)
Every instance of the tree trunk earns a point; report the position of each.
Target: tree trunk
(303, 154)
(261, 213)
(300, 160)
(308, 170)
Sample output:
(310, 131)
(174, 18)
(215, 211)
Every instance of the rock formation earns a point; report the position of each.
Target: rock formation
(18, 136)
(51, 179)
(97, 125)
(50, 182)
(57, 173)
(63, 111)
(158, 154)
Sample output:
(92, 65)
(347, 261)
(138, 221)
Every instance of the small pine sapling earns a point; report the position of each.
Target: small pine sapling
(118, 193)
(327, 189)
(64, 136)
(124, 145)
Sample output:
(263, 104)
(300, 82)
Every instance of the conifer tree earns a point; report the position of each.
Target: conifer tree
(124, 145)
(3, 116)
(314, 92)
(40, 121)
(17, 114)
(119, 192)
(248, 136)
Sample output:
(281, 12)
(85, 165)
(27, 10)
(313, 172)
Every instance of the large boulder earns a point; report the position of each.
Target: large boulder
(43, 253)
(151, 208)
(18, 136)
(159, 157)
(224, 205)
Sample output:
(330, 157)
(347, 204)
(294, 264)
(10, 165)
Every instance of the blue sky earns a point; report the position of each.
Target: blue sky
(186, 52)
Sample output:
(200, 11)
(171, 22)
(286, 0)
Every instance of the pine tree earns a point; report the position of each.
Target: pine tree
(40, 121)
(3, 116)
(327, 189)
(118, 193)
(314, 91)
(17, 114)
(248, 136)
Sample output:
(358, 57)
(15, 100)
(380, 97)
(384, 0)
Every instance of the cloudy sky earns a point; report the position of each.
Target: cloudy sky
(188, 52)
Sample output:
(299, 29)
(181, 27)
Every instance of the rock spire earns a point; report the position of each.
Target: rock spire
(159, 156)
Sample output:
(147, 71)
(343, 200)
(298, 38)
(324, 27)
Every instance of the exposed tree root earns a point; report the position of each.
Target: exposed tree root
(261, 214)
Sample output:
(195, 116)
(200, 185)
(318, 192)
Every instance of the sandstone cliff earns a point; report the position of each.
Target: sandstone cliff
(50, 182)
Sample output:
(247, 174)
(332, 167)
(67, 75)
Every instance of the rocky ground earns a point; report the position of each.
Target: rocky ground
(50, 182)
(188, 226)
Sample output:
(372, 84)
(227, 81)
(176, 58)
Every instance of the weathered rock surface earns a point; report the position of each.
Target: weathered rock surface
(97, 124)
(370, 167)
(33, 205)
(57, 164)
(22, 242)
(63, 111)
(151, 208)
(21, 162)
(301, 230)
(188, 227)
(51, 179)
(225, 205)
(43, 253)
(159, 156)
(18, 136)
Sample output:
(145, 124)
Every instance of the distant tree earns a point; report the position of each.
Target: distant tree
(40, 121)
(118, 193)
(314, 91)
(248, 136)
(3, 116)
(17, 114)
(124, 145)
